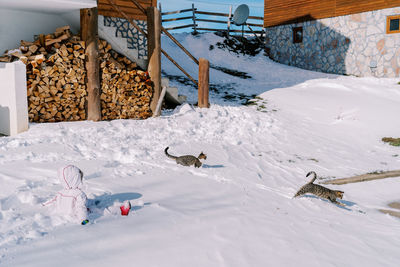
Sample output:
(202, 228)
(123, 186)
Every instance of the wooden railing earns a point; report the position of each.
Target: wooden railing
(204, 16)
(204, 95)
(143, 10)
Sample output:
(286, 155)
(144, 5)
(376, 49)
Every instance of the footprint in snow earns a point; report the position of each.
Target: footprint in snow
(274, 190)
(222, 179)
(198, 173)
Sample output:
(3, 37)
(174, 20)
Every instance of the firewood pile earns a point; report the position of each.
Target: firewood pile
(125, 91)
(56, 80)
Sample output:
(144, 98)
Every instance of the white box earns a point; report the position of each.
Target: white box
(13, 98)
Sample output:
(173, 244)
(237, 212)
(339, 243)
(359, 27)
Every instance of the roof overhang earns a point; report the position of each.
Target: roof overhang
(47, 6)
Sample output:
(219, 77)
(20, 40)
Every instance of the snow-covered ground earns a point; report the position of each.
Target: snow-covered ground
(237, 209)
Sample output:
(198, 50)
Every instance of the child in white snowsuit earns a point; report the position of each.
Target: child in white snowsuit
(71, 201)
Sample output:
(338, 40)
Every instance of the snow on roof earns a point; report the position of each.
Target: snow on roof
(48, 6)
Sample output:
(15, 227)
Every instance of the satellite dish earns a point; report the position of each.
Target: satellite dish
(241, 14)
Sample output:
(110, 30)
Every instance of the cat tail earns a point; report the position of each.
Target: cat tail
(313, 179)
(168, 155)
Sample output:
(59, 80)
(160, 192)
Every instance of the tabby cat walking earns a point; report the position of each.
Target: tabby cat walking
(319, 190)
(187, 160)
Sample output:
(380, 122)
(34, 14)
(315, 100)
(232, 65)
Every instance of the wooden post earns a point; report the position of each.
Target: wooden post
(160, 101)
(204, 77)
(194, 20)
(89, 34)
(154, 53)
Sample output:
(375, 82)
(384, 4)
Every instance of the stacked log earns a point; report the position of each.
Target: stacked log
(125, 90)
(56, 80)
(55, 73)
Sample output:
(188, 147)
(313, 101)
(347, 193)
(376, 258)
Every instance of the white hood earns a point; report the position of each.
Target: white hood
(70, 177)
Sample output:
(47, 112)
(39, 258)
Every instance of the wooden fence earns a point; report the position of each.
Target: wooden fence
(198, 18)
(153, 35)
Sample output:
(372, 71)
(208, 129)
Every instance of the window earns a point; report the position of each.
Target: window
(297, 35)
(393, 24)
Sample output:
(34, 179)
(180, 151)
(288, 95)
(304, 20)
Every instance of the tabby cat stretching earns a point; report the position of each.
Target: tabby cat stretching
(319, 190)
(187, 160)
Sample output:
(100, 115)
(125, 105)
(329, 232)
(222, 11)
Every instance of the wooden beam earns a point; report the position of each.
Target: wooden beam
(258, 39)
(364, 177)
(179, 44)
(175, 19)
(222, 30)
(129, 7)
(179, 67)
(140, 7)
(212, 13)
(89, 35)
(110, 12)
(204, 78)
(154, 53)
(180, 27)
(177, 12)
(160, 101)
(125, 16)
(278, 12)
(213, 20)
(225, 15)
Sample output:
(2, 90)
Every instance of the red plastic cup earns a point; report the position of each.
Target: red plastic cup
(125, 208)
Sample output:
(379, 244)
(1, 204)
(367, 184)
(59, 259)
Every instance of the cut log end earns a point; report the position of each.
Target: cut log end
(56, 80)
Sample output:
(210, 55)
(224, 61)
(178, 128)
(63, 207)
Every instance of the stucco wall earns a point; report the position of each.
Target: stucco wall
(17, 25)
(13, 100)
(352, 45)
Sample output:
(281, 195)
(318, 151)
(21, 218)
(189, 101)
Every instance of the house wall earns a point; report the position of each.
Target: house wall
(354, 45)
(278, 12)
(17, 25)
(13, 100)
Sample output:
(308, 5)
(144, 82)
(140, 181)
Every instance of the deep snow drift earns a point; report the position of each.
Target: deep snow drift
(237, 209)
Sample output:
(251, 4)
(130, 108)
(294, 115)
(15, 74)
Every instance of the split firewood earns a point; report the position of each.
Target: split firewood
(57, 40)
(5, 59)
(56, 80)
(33, 48)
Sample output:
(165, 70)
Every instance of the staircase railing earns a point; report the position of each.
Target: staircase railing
(143, 10)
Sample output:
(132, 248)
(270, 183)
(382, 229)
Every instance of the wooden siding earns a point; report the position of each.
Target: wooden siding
(278, 12)
(126, 6)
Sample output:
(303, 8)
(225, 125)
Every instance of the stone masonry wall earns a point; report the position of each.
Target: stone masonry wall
(124, 29)
(352, 45)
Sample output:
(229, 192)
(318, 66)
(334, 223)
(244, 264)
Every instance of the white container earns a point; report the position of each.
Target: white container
(13, 98)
